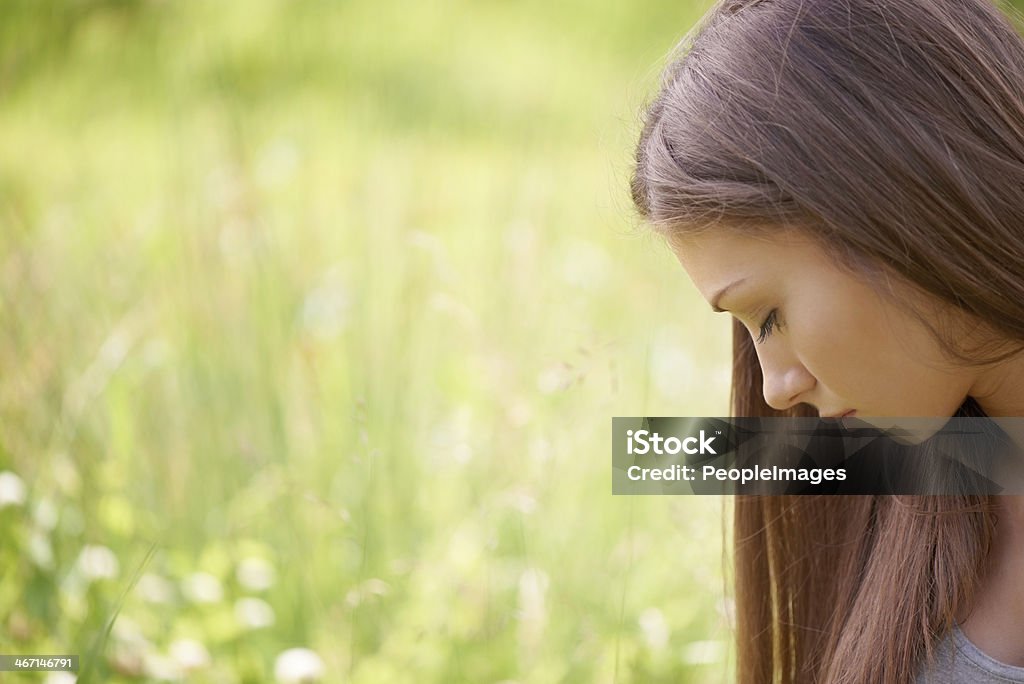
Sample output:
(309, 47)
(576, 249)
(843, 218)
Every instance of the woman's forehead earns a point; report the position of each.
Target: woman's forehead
(726, 245)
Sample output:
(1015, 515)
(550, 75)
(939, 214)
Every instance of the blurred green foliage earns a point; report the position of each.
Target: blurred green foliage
(313, 317)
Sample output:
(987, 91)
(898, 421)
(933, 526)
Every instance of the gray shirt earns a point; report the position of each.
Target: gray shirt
(958, 661)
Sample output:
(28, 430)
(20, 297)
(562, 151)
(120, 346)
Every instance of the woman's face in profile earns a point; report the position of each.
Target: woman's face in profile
(822, 336)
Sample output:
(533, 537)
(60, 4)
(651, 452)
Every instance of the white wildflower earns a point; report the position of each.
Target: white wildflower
(189, 654)
(12, 489)
(155, 589)
(202, 587)
(127, 631)
(370, 588)
(161, 668)
(254, 613)
(654, 628)
(298, 665)
(97, 562)
(255, 574)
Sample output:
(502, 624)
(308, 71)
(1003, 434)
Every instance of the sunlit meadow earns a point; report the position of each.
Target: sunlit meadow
(314, 318)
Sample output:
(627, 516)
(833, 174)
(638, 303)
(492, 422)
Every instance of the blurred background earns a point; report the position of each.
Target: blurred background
(313, 319)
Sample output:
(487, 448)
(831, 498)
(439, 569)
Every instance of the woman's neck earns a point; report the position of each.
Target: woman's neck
(999, 389)
(997, 612)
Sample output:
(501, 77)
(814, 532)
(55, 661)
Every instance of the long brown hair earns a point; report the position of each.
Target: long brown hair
(893, 132)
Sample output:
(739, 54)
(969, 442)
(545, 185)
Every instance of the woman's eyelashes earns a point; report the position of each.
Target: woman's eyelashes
(769, 324)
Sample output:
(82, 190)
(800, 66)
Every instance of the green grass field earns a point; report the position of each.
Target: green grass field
(313, 319)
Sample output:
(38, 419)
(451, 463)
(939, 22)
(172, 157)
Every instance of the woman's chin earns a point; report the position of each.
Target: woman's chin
(902, 429)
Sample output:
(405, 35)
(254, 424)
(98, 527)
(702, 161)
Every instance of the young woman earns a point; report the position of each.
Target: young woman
(846, 178)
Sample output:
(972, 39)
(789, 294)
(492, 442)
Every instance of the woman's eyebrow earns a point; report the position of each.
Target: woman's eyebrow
(721, 293)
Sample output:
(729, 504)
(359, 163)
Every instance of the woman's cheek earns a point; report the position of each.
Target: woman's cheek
(829, 351)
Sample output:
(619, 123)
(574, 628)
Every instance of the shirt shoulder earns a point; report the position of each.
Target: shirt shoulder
(958, 660)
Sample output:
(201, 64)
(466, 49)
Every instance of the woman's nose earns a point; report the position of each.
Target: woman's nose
(786, 382)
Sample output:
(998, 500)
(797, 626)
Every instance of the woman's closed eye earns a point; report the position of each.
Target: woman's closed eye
(769, 324)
